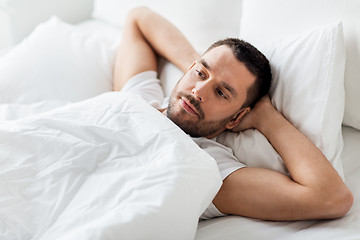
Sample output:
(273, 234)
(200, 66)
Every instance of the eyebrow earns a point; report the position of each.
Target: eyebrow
(224, 84)
(205, 64)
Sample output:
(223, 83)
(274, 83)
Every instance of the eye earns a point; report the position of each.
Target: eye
(200, 74)
(220, 93)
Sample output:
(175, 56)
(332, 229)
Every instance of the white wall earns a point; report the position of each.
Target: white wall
(19, 17)
(5, 34)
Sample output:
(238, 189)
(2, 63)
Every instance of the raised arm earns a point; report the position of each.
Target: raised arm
(314, 191)
(146, 35)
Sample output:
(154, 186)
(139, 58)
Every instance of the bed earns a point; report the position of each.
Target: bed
(63, 131)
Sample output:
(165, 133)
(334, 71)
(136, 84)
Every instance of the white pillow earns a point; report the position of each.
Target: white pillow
(264, 20)
(308, 88)
(56, 63)
(202, 22)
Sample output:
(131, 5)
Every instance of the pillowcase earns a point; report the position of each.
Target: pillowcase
(308, 89)
(203, 22)
(56, 64)
(264, 20)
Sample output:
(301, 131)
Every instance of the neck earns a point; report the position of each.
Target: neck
(217, 133)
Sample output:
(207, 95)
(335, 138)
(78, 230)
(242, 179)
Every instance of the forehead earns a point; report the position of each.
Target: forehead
(225, 67)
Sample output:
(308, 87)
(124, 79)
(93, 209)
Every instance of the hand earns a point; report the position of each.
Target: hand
(262, 110)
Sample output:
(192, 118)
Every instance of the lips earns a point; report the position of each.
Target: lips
(188, 107)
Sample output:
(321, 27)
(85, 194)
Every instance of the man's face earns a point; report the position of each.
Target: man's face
(208, 97)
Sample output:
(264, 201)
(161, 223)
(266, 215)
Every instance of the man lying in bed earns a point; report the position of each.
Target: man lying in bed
(216, 94)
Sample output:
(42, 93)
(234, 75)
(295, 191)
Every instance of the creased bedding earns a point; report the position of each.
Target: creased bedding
(111, 167)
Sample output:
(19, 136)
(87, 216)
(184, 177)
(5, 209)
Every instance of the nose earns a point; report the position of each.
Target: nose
(200, 90)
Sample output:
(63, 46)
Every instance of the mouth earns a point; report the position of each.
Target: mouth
(188, 107)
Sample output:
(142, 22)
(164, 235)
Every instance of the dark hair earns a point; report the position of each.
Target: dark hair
(255, 62)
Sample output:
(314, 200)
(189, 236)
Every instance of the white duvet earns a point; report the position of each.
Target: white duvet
(111, 167)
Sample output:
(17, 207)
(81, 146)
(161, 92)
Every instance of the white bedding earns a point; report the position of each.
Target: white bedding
(64, 181)
(111, 167)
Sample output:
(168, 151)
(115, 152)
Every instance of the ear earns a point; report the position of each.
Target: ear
(237, 118)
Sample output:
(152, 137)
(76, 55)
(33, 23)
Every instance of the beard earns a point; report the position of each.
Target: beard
(195, 126)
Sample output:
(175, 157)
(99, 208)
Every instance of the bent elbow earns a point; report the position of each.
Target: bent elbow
(341, 204)
(347, 202)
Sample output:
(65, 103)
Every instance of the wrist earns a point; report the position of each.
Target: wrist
(269, 120)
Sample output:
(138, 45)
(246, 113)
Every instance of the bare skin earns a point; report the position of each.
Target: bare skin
(314, 190)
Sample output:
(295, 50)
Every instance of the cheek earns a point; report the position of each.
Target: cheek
(187, 81)
(212, 113)
(218, 111)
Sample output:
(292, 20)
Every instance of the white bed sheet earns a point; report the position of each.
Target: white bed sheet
(111, 167)
(346, 228)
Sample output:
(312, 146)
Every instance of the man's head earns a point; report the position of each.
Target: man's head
(220, 88)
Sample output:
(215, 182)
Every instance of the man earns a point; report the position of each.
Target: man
(218, 93)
